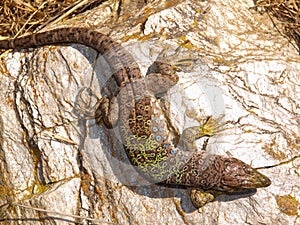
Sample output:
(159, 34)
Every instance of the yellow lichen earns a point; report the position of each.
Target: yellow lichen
(288, 204)
(272, 149)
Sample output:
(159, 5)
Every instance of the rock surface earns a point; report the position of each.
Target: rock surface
(52, 158)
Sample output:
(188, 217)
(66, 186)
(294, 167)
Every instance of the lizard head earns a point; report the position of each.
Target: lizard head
(238, 176)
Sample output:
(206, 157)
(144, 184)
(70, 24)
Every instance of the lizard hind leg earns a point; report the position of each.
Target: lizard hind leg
(104, 110)
(107, 112)
(161, 77)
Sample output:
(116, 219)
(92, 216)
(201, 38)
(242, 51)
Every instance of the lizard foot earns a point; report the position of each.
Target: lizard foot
(87, 103)
(180, 58)
(200, 197)
(104, 110)
(211, 126)
(107, 112)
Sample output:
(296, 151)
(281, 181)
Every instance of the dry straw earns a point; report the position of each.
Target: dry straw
(20, 16)
(285, 14)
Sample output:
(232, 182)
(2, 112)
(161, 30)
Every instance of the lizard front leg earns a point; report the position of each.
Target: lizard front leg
(209, 128)
(200, 197)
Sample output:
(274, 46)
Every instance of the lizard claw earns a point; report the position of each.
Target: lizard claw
(210, 126)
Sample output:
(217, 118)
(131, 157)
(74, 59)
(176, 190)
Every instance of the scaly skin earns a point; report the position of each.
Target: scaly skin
(144, 127)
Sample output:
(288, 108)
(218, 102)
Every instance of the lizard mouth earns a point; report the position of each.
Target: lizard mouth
(256, 180)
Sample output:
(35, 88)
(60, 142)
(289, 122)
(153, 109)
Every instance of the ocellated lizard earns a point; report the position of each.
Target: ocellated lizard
(144, 127)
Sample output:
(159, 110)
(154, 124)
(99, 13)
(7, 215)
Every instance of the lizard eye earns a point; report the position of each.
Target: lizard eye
(247, 169)
(173, 151)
